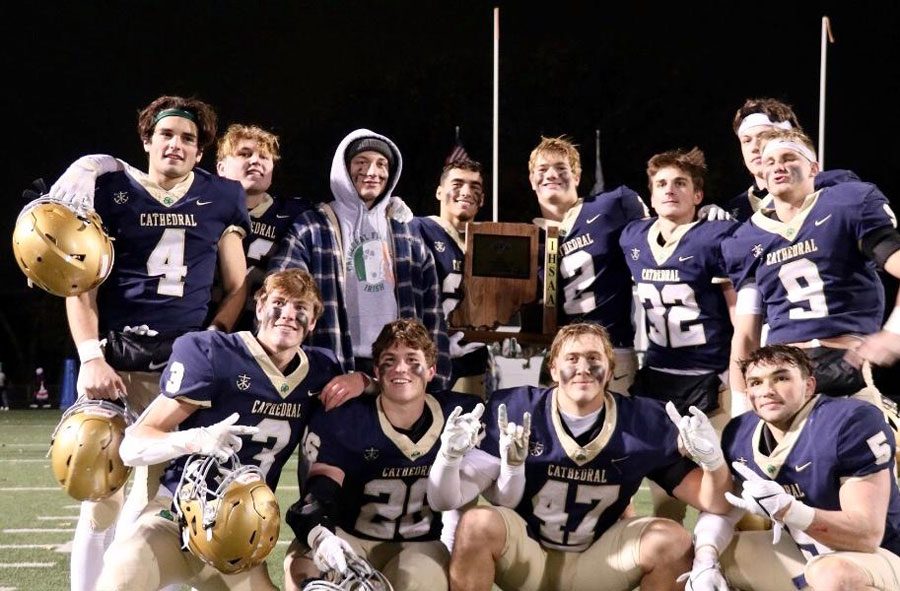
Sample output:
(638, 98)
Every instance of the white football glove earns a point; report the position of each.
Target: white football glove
(219, 440)
(76, 185)
(513, 438)
(765, 498)
(712, 213)
(400, 211)
(706, 573)
(461, 433)
(330, 551)
(456, 350)
(698, 437)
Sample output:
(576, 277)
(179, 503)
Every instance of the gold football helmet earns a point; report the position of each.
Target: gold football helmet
(60, 251)
(233, 527)
(84, 449)
(359, 576)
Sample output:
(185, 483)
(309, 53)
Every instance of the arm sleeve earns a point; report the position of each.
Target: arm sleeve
(632, 205)
(739, 265)
(452, 484)
(874, 212)
(319, 506)
(189, 375)
(865, 443)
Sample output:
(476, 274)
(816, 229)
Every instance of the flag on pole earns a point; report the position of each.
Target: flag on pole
(599, 183)
(458, 152)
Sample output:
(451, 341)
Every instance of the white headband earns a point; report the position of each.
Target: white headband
(788, 145)
(757, 119)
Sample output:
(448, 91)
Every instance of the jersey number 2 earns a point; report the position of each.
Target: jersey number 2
(379, 518)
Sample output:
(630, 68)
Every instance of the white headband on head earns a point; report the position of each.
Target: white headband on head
(757, 119)
(789, 145)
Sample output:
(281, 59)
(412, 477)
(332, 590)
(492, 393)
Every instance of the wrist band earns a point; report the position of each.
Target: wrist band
(89, 350)
(799, 516)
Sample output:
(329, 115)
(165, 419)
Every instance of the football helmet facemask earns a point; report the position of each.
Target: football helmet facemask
(84, 449)
(233, 527)
(359, 576)
(61, 251)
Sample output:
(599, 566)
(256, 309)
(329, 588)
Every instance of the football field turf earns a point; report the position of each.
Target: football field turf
(38, 518)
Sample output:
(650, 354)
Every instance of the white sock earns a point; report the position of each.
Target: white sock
(87, 551)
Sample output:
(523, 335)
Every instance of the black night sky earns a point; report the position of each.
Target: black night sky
(650, 78)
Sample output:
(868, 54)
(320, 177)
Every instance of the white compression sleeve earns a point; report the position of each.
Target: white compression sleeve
(136, 450)
(453, 483)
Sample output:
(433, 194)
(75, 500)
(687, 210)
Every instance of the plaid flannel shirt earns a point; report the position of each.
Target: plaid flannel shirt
(312, 244)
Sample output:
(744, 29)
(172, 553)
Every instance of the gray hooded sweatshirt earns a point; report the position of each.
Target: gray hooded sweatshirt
(369, 289)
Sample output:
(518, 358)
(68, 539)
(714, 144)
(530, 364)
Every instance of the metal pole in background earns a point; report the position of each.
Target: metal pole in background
(496, 131)
(823, 63)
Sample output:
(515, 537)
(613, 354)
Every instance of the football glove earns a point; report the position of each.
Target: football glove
(513, 438)
(330, 551)
(461, 433)
(698, 437)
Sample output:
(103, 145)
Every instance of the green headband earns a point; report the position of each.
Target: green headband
(174, 113)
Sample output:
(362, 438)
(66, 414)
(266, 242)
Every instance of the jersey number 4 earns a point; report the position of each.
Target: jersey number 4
(550, 507)
(167, 259)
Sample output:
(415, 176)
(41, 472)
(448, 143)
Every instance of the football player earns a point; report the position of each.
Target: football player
(808, 264)
(267, 382)
(171, 224)
(594, 279)
(755, 117)
(247, 154)
(822, 469)
(588, 453)
(677, 265)
(461, 194)
(365, 493)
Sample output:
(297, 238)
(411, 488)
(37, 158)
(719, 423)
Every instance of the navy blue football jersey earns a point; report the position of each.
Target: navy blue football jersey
(448, 249)
(688, 325)
(269, 222)
(748, 202)
(813, 279)
(231, 373)
(383, 496)
(830, 440)
(574, 493)
(166, 247)
(594, 281)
